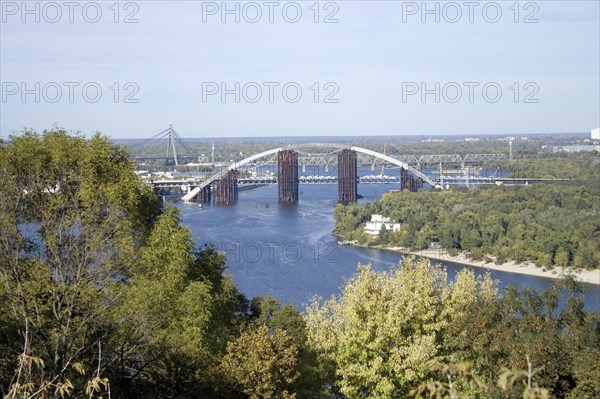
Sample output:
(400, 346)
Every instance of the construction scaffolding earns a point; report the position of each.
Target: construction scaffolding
(408, 182)
(347, 176)
(225, 190)
(287, 175)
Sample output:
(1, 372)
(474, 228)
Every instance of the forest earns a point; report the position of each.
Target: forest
(548, 224)
(104, 294)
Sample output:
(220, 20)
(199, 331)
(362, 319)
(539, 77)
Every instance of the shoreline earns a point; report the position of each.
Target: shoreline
(526, 268)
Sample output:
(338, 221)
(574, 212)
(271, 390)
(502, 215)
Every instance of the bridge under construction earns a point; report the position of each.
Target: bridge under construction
(292, 161)
(222, 187)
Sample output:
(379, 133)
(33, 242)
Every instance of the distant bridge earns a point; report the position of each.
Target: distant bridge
(325, 160)
(372, 179)
(269, 180)
(222, 186)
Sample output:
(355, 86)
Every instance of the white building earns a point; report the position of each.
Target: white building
(373, 227)
(596, 134)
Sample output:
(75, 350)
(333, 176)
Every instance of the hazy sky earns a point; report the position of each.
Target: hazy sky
(484, 69)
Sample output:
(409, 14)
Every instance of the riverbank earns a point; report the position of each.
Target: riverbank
(527, 268)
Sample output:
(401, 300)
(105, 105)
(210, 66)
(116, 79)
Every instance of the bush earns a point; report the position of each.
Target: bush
(476, 254)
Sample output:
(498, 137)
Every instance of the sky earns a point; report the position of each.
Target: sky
(304, 68)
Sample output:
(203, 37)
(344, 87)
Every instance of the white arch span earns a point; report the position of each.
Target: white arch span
(193, 193)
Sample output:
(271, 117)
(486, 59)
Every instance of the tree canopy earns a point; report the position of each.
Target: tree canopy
(548, 224)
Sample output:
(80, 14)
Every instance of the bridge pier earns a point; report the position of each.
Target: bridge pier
(226, 193)
(347, 176)
(225, 190)
(287, 176)
(410, 183)
(204, 196)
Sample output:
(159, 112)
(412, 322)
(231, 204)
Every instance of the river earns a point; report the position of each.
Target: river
(288, 251)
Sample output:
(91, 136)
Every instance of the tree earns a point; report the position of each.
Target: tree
(520, 223)
(267, 311)
(587, 374)
(424, 237)
(73, 214)
(384, 235)
(262, 364)
(175, 317)
(501, 333)
(379, 336)
(349, 217)
(561, 258)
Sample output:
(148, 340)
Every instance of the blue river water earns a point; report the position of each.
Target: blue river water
(289, 252)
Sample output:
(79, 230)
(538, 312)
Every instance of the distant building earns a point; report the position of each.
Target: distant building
(575, 148)
(596, 134)
(471, 138)
(373, 227)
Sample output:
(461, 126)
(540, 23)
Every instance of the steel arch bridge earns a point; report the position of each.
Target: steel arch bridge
(338, 147)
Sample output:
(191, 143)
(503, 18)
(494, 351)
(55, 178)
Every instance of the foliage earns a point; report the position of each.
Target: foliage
(456, 375)
(381, 333)
(501, 333)
(547, 224)
(459, 375)
(267, 311)
(574, 165)
(175, 316)
(73, 214)
(263, 363)
(408, 331)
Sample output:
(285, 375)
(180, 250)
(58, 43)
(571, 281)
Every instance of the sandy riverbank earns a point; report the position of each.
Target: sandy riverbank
(528, 268)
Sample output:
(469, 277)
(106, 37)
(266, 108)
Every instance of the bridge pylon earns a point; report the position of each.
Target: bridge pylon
(225, 190)
(347, 176)
(287, 176)
(205, 195)
(408, 182)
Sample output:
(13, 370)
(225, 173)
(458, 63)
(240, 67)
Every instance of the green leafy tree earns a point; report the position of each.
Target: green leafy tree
(175, 317)
(500, 333)
(424, 237)
(384, 235)
(73, 214)
(378, 337)
(262, 364)
(587, 374)
(267, 311)
(350, 217)
(561, 258)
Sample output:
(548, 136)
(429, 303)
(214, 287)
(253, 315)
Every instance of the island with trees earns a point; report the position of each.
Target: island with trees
(551, 224)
